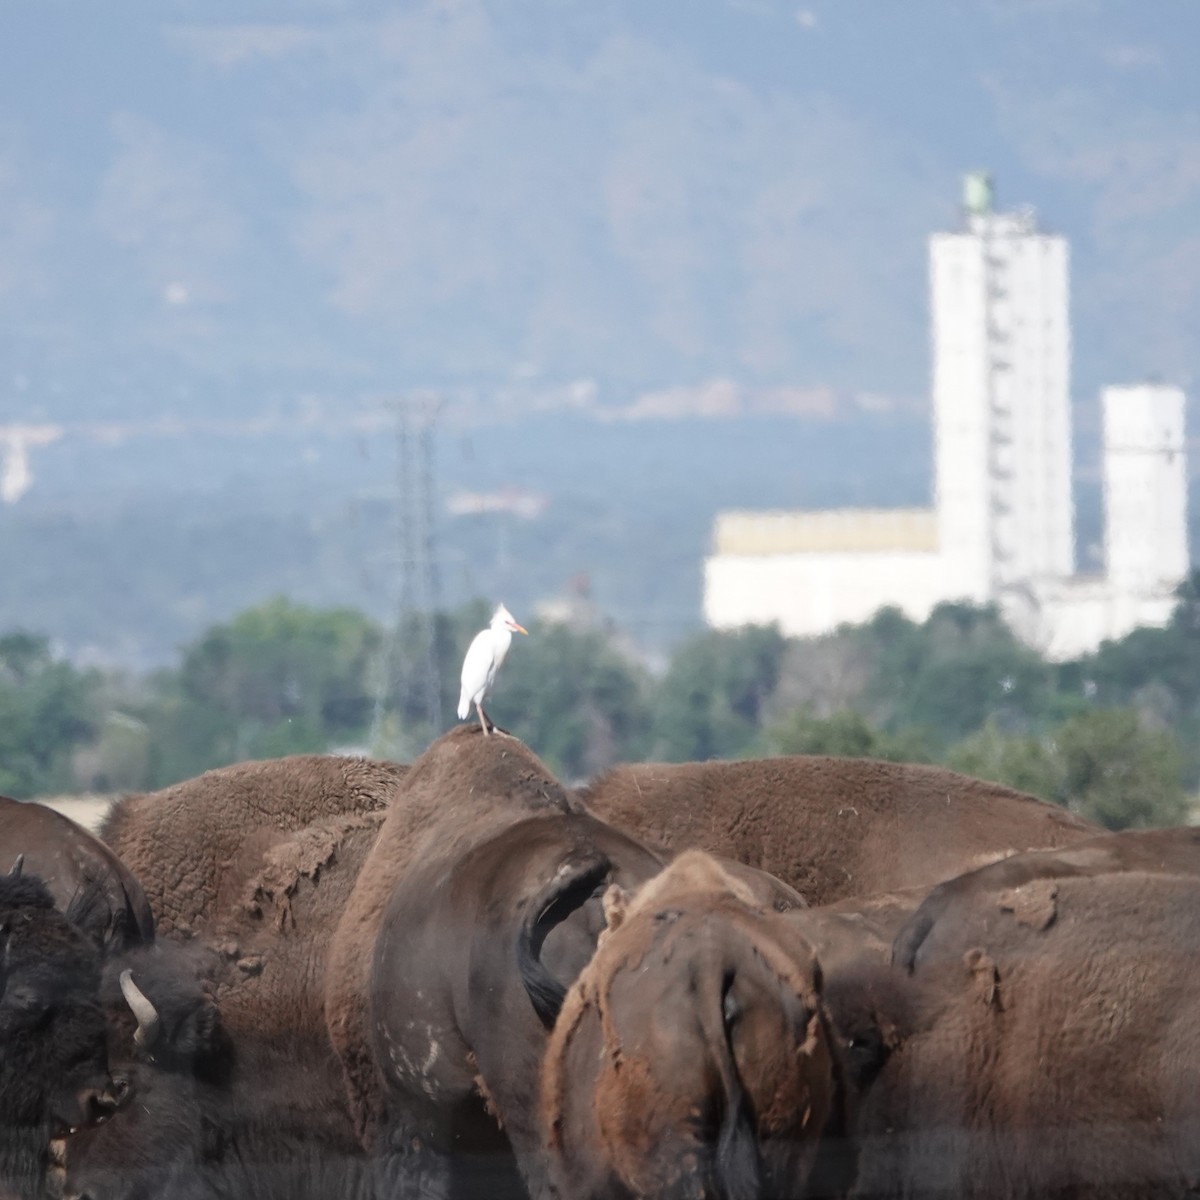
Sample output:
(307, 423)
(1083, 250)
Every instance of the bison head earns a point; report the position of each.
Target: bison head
(691, 1058)
(167, 1040)
(53, 1065)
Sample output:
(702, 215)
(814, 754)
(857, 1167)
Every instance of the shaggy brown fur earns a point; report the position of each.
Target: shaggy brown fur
(178, 841)
(262, 956)
(692, 1055)
(424, 1000)
(280, 903)
(1059, 1056)
(831, 827)
(1157, 851)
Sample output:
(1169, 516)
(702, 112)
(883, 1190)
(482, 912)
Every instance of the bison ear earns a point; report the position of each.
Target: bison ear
(616, 905)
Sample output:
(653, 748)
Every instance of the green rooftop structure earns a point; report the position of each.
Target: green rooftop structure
(978, 192)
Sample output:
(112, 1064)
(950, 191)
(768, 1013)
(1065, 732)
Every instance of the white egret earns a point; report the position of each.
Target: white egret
(486, 652)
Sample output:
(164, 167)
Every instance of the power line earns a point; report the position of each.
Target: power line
(411, 675)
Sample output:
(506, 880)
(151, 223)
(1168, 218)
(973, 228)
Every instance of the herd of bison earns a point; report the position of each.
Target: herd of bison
(324, 976)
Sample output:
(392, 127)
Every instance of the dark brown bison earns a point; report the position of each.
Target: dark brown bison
(1055, 1049)
(81, 872)
(478, 905)
(857, 930)
(692, 1057)
(53, 1069)
(1158, 851)
(224, 1038)
(831, 827)
(869, 1005)
(179, 841)
(178, 1062)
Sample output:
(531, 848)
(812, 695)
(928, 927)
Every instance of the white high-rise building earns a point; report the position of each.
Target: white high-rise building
(1001, 399)
(1002, 527)
(1145, 492)
(1145, 531)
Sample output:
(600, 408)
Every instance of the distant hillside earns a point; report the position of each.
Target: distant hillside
(123, 552)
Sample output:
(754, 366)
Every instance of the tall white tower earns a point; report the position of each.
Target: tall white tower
(1145, 489)
(1001, 401)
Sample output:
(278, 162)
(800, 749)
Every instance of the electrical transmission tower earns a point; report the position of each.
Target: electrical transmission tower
(411, 676)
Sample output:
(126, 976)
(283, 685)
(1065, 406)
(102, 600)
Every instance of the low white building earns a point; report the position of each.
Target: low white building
(811, 571)
(1002, 527)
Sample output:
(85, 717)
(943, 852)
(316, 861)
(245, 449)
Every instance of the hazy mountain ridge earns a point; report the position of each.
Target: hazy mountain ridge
(479, 189)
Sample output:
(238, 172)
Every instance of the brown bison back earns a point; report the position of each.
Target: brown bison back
(1058, 1051)
(465, 788)
(180, 839)
(279, 908)
(1155, 851)
(831, 827)
(691, 1056)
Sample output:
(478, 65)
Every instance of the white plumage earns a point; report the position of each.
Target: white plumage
(486, 652)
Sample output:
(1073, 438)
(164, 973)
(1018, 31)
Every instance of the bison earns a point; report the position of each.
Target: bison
(82, 873)
(180, 840)
(1159, 851)
(479, 903)
(693, 1056)
(178, 1061)
(54, 1076)
(831, 827)
(224, 1037)
(1054, 1050)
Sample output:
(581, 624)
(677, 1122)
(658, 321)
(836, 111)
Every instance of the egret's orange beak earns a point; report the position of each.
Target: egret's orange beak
(519, 629)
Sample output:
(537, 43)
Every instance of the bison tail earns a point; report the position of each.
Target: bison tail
(574, 882)
(738, 1167)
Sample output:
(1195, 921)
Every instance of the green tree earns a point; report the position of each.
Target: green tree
(48, 709)
(1102, 764)
(1120, 774)
(278, 679)
(574, 698)
(824, 675)
(711, 701)
(1027, 762)
(1156, 671)
(955, 672)
(845, 734)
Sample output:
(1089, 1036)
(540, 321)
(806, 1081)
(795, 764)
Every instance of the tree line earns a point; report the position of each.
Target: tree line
(1112, 735)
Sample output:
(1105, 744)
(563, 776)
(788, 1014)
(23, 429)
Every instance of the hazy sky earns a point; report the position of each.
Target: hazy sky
(644, 192)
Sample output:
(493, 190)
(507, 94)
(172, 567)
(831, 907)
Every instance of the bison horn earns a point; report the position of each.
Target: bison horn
(18, 863)
(146, 1013)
